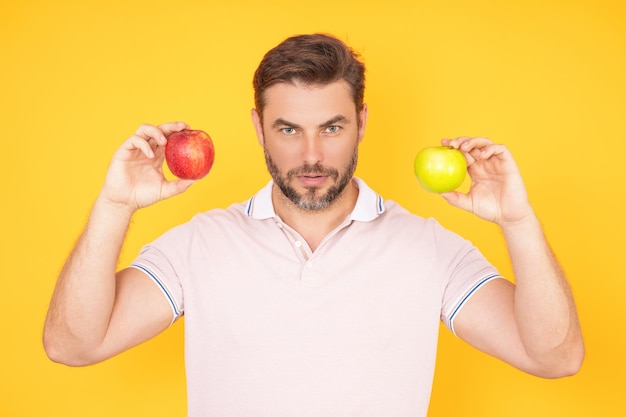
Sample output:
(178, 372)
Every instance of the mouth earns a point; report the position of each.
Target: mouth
(312, 180)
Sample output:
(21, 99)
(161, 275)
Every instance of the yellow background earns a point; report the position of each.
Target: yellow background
(545, 77)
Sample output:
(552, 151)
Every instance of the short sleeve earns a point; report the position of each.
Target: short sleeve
(464, 270)
(165, 274)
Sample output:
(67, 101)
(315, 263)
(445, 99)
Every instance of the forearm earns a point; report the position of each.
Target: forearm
(84, 296)
(544, 308)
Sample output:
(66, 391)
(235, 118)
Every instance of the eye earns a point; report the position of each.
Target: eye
(288, 131)
(333, 129)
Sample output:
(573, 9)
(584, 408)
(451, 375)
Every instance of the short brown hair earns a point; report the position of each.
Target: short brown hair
(311, 59)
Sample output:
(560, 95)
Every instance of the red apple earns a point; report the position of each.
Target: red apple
(440, 169)
(189, 154)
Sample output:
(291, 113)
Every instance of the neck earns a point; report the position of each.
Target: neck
(314, 225)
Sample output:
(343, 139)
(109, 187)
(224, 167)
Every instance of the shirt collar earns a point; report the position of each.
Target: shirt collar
(369, 205)
(260, 205)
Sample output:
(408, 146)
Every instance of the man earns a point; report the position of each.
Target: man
(315, 297)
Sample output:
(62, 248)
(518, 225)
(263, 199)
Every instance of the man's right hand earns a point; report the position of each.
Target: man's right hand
(135, 176)
(95, 313)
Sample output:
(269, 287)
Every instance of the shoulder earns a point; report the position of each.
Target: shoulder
(235, 213)
(399, 224)
(207, 223)
(396, 215)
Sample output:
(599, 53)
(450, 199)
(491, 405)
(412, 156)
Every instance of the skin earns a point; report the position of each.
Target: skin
(311, 126)
(532, 325)
(310, 134)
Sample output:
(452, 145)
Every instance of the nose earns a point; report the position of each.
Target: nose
(312, 151)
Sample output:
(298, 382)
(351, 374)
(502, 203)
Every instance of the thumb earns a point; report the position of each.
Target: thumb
(457, 199)
(176, 187)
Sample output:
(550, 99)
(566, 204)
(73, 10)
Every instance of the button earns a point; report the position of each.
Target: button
(309, 265)
(298, 243)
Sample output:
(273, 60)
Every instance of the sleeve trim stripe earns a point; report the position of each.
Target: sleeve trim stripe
(467, 297)
(177, 313)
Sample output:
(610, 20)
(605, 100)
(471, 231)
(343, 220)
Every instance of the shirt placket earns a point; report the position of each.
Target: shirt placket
(307, 257)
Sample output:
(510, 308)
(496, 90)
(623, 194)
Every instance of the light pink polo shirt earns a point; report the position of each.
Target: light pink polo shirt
(274, 330)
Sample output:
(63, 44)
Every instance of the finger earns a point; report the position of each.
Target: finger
(455, 143)
(152, 132)
(136, 142)
(469, 144)
(474, 154)
(491, 150)
(169, 128)
(461, 143)
(176, 187)
(458, 199)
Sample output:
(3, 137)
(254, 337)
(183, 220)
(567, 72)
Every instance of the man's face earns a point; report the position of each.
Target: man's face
(310, 135)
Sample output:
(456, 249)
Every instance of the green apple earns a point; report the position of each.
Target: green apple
(440, 169)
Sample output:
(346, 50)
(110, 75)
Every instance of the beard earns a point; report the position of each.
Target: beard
(312, 199)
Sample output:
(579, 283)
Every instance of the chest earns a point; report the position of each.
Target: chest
(342, 292)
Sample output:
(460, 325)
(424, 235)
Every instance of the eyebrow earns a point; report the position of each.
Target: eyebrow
(337, 119)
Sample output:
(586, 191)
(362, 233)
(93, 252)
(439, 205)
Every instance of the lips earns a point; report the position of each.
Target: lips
(317, 170)
(312, 180)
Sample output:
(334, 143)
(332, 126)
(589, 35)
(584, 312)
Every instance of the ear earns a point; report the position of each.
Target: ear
(258, 126)
(362, 122)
